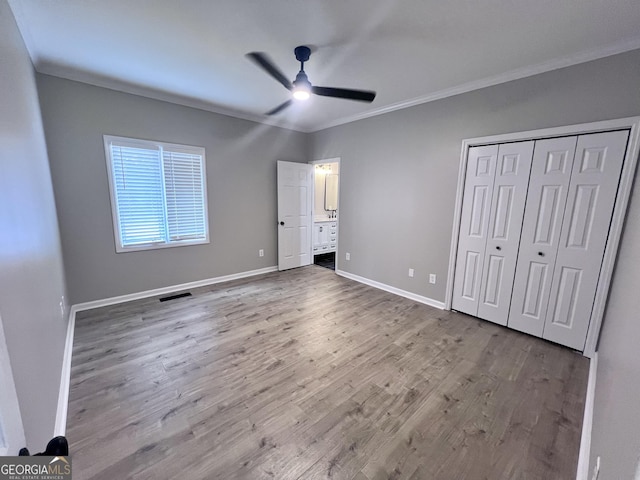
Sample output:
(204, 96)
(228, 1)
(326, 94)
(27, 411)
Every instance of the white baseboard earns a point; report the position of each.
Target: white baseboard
(65, 376)
(587, 422)
(388, 288)
(170, 289)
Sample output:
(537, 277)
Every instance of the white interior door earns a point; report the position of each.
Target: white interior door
(592, 193)
(294, 214)
(11, 431)
(544, 211)
(505, 225)
(474, 224)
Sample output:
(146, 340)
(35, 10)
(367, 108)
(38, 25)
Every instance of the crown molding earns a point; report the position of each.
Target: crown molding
(67, 73)
(516, 74)
(117, 85)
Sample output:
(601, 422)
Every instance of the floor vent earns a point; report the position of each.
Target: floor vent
(174, 297)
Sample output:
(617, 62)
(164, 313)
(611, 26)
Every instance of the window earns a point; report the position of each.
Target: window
(158, 194)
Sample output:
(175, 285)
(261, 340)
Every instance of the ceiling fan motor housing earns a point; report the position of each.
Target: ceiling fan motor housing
(302, 53)
(302, 80)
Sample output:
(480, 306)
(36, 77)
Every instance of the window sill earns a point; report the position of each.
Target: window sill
(158, 246)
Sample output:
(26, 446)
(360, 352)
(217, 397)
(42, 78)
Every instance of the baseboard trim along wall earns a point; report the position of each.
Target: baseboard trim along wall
(170, 289)
(587, 422)
(388, 288)
(65, 376)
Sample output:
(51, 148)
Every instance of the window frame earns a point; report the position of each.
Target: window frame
(115, 214)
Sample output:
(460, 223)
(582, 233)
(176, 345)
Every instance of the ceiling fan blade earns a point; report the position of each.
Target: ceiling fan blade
(359, 95)
(268, 66)
(279, 108)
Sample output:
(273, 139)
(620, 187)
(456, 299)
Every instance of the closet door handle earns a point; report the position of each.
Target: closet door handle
(498, 247)
(541, 254)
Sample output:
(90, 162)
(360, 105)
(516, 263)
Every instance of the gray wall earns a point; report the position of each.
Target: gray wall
(241, 183)
(398, 182)
(405, 165)
(616, 420)
(399, 170)
(31, 273)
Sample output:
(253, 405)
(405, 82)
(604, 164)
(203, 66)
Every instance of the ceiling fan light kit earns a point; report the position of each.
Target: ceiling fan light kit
(301, 94)
(301, 88)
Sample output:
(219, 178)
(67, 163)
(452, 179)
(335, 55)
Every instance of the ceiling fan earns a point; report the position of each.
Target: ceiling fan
(301, 88)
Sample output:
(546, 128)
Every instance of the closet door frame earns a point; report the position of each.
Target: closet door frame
(624, 190)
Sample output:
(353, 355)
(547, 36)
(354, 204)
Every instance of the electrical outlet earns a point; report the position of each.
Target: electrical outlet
(261, 253)
(432, 278)
(411, 272)
(596, 469)
(347, 256)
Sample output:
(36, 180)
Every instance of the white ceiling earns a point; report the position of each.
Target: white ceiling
(193, 51)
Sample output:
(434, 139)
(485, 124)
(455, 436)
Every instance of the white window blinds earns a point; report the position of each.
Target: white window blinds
(158, 193)
(183, 183)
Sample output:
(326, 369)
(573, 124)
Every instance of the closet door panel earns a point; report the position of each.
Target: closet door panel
(544, 211)
(474, 224)
(505, 224)
(591, 198)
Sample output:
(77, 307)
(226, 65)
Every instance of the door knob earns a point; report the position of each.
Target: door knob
(541, 254)
(498, 247)
(281, 223)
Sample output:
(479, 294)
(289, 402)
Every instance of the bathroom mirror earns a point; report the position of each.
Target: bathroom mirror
(331, 192)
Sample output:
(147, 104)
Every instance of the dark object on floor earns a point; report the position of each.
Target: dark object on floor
(174, 297)
(326, 260)
(57, 447)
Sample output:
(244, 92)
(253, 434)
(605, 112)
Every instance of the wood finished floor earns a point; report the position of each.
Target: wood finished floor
(306, 375)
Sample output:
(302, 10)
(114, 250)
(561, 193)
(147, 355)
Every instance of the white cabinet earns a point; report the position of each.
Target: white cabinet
(534, 226)
(324, 237)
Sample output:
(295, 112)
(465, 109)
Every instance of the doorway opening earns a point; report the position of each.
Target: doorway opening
(326, 182)
(326, 260)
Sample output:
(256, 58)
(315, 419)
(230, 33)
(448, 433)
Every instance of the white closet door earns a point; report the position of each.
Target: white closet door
(505, 224)
(546, 200)
(590, 202)
(474, 224)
